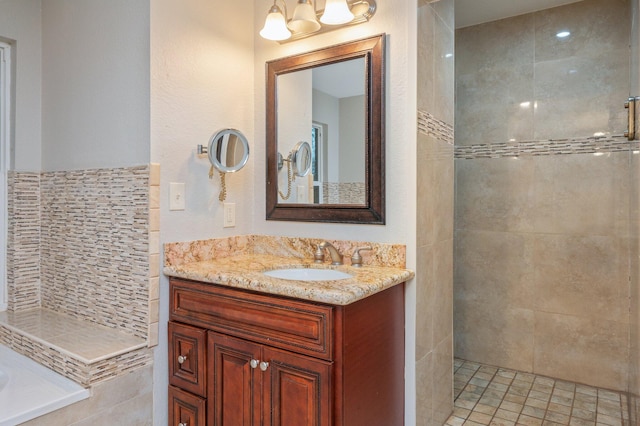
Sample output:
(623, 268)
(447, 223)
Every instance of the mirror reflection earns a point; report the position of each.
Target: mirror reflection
(333, 119)
(298, 165)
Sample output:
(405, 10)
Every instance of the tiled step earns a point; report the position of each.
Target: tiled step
(82, 351)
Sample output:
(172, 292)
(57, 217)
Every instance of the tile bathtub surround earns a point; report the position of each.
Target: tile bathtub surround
(95, 246)
(176, 254)
(85, 244)
(486, 395)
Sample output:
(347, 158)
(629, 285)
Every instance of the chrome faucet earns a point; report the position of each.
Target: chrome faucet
(336, 257)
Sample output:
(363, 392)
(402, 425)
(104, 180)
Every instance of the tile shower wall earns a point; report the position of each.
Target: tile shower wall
(542, 206)
(79, 244)
(434, 239)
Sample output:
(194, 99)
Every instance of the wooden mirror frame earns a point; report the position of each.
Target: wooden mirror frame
(373, 211)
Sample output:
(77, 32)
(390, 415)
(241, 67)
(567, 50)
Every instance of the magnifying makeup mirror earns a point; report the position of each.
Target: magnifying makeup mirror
(228, 152)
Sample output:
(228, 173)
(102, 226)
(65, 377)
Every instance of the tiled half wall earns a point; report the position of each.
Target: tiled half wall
(85, 244)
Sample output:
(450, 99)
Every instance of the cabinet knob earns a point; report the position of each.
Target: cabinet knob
(181, 360)
(254, 363)
(264, 366)
(183, 424)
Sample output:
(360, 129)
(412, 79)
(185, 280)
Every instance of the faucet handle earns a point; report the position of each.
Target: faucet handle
(356, 259)
(318, 256)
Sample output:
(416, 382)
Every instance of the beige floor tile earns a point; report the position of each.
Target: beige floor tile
(506, 415)
(512, 398)
(529, 421)
(558, 408)
(552, 416)
(481, 418)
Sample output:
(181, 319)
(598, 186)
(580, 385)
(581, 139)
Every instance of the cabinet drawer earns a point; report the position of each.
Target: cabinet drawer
(302, 327)
(187, 358)
(186, 409)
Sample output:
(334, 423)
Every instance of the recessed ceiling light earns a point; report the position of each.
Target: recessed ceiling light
(563, 34)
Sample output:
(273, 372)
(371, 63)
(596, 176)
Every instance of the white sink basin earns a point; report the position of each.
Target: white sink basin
(308, 274)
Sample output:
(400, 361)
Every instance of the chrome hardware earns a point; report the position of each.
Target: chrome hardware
(356, 259)
(183, 424)
(264, 366)
(181, 359)
(202, 150)
(336, 257)
(254, 363)
(630, 105)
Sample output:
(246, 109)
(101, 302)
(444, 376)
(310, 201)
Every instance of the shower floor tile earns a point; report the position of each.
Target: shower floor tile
(493, 396)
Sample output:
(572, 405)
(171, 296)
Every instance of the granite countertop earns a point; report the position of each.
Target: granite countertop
(245, 271)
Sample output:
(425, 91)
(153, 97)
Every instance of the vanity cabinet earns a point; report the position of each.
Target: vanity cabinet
(256, 359)
(288, 389)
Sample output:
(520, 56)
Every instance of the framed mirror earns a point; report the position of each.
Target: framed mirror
(332, 99)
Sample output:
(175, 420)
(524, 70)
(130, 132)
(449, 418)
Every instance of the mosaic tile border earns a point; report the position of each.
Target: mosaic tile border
(62, 363)
(430, 126)
(588, 145)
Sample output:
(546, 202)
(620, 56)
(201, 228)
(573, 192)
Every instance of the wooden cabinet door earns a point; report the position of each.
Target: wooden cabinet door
(185, 408)
(296, 390)
(234, 382)
(187, 355)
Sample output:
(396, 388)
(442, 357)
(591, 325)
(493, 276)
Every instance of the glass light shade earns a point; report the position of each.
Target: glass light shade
(275, 26)
(336, 12)
(304, 18)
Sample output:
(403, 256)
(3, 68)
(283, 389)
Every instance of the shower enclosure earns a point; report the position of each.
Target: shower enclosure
(546, 207)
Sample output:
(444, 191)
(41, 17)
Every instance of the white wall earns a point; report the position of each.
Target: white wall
(397, 19)
(352, 133)
(202, 73)
(20, 21)
(294, 125)
(326, 110)
(95, 85)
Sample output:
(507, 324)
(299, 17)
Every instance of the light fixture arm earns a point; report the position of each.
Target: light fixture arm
(284, 6)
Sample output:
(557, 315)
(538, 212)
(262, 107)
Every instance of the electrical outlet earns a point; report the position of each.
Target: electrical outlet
(229, 215)
(176, 196)
(301, 194)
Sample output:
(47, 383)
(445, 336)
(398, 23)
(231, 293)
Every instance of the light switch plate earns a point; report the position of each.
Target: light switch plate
(176, 196)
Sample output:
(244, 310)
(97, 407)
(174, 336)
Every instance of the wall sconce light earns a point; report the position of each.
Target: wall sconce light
(306, 21)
